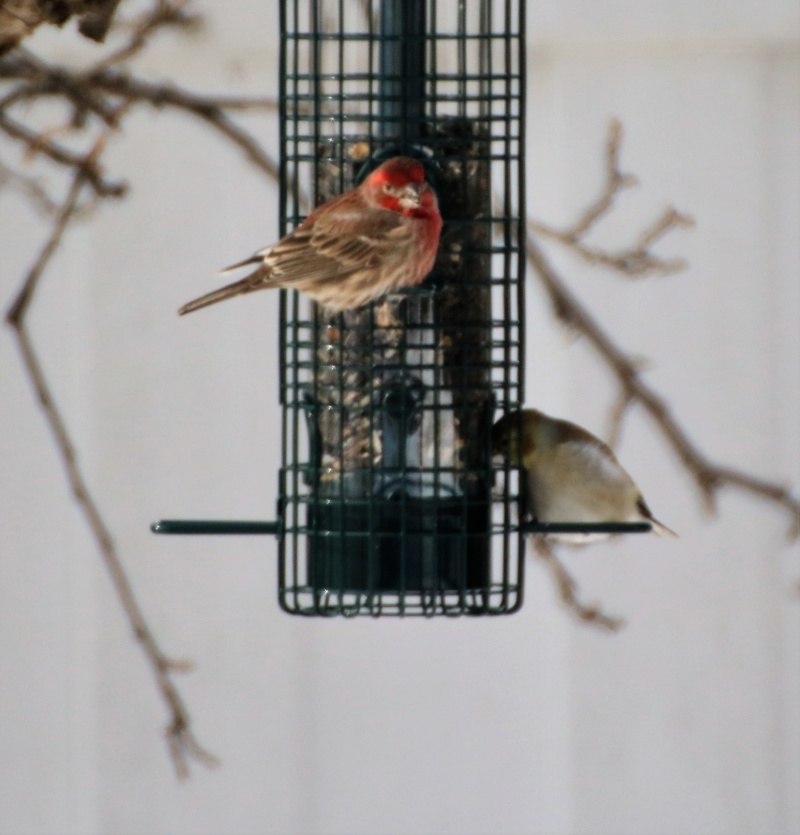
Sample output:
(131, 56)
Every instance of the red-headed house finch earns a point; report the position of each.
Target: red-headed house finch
(370, 241)
(572, 476)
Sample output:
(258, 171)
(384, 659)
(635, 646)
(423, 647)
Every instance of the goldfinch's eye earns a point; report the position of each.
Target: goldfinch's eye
(389, 188)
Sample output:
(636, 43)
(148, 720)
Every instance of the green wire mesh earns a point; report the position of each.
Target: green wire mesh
(390, 502)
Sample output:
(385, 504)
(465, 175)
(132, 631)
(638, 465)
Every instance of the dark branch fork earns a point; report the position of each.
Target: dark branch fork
(708, 476)
(635, 261)
(181, 739)
(632, 262)
(105, 93)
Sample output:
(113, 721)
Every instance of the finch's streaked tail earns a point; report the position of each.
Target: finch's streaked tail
(254, 281)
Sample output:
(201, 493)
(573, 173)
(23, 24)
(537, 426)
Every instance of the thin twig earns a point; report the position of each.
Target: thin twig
(631, 263)
(181, 741)
(568, 590)
(15, 316)
(163, 14)
(210, 109)
(637, 260)
(41, 78)
(616, 416)
(29, 186)
(616, 181)
(39, 143)
(161, 94)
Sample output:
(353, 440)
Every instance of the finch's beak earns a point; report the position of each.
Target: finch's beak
(412, 194)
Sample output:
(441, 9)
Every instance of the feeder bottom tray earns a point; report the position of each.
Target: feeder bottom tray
(399, 544)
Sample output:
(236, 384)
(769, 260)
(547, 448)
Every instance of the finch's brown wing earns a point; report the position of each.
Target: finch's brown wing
(334, 246)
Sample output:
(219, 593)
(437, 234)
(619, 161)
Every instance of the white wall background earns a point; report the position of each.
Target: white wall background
(685, 722)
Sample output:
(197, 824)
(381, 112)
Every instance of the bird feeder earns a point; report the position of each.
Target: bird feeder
(389, 502)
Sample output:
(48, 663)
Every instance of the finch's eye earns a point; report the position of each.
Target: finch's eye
(390, 189)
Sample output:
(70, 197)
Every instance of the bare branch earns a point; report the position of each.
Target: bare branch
(163, 14)
(208, 108)
(634, 261)
(709, 477)
(38, 143)
(567, 587)
(100, 97)
(40, 79)
(616, 417)
(100, 91)
(136, 89)
(29, 186)
(637, 260)
(616, 181)
(182, 744)
(16, 313)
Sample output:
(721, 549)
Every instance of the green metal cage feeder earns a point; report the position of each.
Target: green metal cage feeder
(389, 502)
(387, 481)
